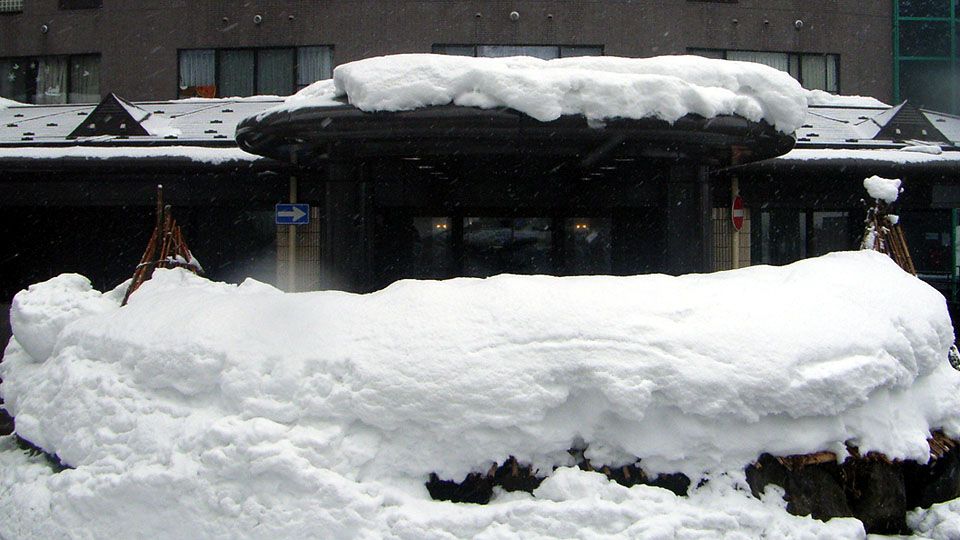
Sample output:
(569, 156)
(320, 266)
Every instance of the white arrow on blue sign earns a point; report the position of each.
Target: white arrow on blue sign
(293, 214)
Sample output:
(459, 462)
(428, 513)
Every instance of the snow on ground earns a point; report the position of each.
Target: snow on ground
(599, 87)
(211, 410)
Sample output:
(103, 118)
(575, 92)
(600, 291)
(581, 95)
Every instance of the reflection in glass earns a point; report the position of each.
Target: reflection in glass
(831, 232)
(507, 245)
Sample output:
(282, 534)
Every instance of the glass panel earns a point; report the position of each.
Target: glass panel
(928, 235)
(313, 64)
(833, 73)
(84, 79)
(236, 73)
(11, 6)
(413, 247)
(500, 51)
(568, 51)
(506, 245)
(924, 38)
(926, 84)
(708, 53)
(813, 70)
(775, 60)
(783, 236)
(15, 79)
(51, 80)
(586, 246)
(456, 50)
(198, 73)
(831, 232)
(275, 72)
(924, 8)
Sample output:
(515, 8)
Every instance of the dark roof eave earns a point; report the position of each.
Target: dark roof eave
(315, 134)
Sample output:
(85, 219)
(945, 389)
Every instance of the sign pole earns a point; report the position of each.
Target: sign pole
(292, 243)
(735, 240)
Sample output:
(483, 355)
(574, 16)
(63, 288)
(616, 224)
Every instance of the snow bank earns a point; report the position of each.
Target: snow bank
(200, 154)
(884, 189)
(242, 406)
(600, 88)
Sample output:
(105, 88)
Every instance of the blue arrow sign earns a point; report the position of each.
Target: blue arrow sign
(293, 214)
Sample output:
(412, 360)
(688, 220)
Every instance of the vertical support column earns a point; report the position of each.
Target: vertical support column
(735, 238)
(706, 220)
(689, 228)
(292, 243)
(346, 233)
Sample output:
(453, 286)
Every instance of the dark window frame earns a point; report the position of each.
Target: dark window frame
(33, 77)
(12, 10)
(435, 48)
(793, 59)
(218, 52)
(80, 4)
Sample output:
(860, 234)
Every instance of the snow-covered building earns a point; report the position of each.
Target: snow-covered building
(448, 189)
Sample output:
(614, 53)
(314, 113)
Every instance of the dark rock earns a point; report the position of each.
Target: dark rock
(676, 482)
(475, 488)
(810, 490)
(6, 421)
(877, 496)
(933, 482)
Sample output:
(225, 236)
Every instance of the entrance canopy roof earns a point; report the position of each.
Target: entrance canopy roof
(586, 109)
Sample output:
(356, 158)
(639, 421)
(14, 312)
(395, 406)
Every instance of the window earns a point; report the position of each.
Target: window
(785, 235)
(80, 4)
(815, 71)
(546, 52)
(927, 53)
(51, 79)
(11, 6)
(246, 72)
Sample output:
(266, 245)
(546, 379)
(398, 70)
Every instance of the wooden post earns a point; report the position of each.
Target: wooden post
(292, 243)
(735, 240)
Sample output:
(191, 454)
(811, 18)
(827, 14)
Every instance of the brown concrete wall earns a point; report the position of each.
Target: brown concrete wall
(139, 40)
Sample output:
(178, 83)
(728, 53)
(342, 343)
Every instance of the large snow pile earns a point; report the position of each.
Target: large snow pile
(205, 409)
(599, 88)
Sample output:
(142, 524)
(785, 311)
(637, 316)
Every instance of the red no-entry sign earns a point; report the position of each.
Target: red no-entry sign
(736, 213)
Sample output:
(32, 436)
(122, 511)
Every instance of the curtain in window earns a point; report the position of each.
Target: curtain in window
(197, 73)
(455, 50)
(14, 80)
(313, 64)
(51, 80)
(275, 72)
(776, 60)
(580, 50)
(499, 51)
(813, 70)
(84, 79)
(236, 73)
(833, 70)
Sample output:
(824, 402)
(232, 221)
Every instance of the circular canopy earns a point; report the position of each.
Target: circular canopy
(311, 136)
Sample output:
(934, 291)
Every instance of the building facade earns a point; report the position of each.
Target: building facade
(76, 51)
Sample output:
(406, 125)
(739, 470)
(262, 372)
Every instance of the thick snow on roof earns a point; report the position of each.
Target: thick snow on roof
(323, 413)
(190, 121)
(599, 88)
(826, 99)
(200, 154)
(897, 156)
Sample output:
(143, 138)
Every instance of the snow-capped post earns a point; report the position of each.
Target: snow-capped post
(736, 217)
(882, 230)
